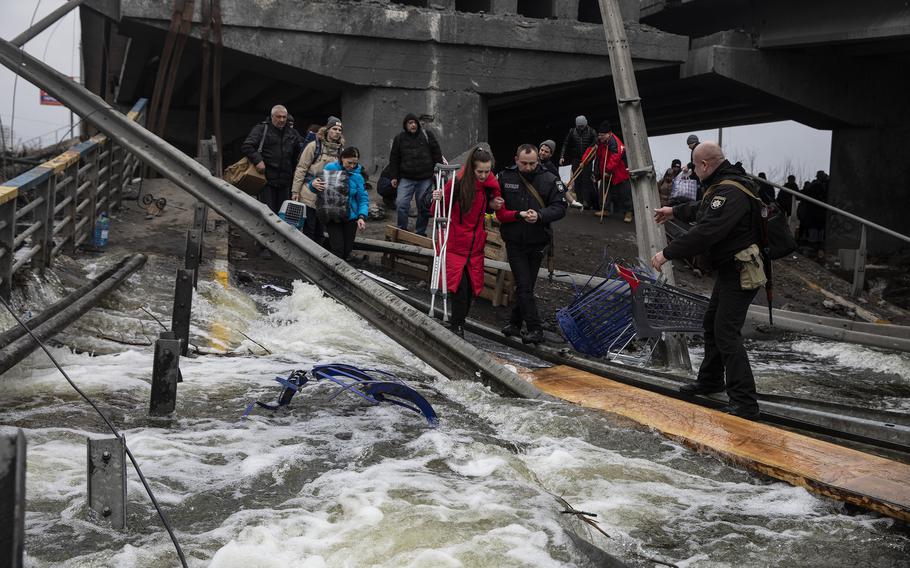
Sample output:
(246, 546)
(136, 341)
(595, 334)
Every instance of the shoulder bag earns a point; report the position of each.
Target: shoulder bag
(243, 174)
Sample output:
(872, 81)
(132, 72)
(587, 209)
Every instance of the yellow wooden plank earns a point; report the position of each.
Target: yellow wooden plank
(8, 193)
(869, 481)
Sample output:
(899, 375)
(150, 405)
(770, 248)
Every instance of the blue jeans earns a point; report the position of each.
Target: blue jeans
(408, 188)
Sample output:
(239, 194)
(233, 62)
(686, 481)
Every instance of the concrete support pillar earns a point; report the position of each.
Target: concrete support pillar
(566, 10)
(869, 173)
(373, 116)
(630, 10)
(504, 7)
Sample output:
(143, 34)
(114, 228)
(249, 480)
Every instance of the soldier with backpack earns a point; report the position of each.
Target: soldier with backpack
(729, 235)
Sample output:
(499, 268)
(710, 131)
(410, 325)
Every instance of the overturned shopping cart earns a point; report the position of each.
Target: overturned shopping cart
(625, 315)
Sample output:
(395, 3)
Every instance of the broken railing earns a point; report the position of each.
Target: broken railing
(54, 206)
(859, 258)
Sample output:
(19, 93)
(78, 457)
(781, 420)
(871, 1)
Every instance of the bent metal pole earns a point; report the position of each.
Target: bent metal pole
(650, 236)
(20, 348)
(445, 352)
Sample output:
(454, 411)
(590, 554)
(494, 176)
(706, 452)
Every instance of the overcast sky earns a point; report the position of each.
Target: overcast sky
(58, 46)
(767, 147)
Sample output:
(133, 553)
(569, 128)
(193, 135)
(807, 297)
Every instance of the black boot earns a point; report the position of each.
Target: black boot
(533, 336)
(695, 388)
(747, 412)
(512, 330)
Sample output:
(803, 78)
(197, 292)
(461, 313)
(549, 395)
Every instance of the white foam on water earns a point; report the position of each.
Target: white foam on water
(341, 483)
(858, 356)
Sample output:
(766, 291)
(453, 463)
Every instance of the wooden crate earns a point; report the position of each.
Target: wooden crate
(499, 286)
(412, 265)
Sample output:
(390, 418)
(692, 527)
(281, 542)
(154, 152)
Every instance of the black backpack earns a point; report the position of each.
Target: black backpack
(777, 239)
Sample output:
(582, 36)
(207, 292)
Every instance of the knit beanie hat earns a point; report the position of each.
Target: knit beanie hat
(332, 121)
(692, 139)
(604, 127)
(581, 121)
(550, 144)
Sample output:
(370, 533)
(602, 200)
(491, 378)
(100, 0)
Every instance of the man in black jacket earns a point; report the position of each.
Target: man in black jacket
(577, 141)
(534, 198)
(415, 152)
(278, 156)
(727, 222)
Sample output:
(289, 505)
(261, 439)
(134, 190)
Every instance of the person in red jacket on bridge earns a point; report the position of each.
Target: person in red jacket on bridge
(611, 173)
(475, 191)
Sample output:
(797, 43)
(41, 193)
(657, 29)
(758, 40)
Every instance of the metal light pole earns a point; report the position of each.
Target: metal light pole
(650, 236)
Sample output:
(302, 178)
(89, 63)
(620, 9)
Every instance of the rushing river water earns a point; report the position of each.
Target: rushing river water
(341, 483)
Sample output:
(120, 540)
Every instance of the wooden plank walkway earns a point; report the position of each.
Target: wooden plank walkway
(869, 481)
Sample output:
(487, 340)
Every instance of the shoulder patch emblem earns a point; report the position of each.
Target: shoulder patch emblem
(718, 202)
(560, 187)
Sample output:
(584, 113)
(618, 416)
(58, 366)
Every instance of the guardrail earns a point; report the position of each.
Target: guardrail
(55, 204)
(859, 266)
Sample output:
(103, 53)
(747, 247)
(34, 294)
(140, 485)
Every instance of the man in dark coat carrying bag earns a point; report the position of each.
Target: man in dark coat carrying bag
(277, 158)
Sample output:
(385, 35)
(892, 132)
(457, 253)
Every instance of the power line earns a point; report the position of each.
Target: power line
(12, 139)
(110, 425)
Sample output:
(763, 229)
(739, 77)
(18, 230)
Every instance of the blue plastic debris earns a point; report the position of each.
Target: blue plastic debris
(356, 381)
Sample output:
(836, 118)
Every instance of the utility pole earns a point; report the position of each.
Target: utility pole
(650, 236)
(720, 136)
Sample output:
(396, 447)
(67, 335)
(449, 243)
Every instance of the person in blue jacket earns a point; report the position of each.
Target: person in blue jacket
(342, 207)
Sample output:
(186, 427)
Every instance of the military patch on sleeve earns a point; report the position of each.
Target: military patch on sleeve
(718, 202)
(560, 187)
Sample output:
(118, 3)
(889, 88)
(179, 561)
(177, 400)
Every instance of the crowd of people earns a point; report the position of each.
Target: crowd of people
(716, 197)
(680, 184)
(320, 170)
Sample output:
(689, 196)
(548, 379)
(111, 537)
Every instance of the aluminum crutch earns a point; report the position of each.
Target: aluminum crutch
(440, 237)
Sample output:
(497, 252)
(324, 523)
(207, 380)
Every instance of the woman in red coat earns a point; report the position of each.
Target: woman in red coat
(475, 190)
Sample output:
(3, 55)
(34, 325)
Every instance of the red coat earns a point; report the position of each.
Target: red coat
(608, 160)
(467, 236)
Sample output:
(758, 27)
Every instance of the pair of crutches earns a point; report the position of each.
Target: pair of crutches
(442, 215)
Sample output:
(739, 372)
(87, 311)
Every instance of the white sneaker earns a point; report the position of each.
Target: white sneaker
(576, 204)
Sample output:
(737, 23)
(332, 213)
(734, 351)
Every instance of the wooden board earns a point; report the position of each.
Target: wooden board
(862, 479)
(499, 285)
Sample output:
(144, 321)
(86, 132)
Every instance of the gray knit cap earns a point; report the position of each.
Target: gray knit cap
(581, 120)
(551, 144)
(332, 121)
(692, 139)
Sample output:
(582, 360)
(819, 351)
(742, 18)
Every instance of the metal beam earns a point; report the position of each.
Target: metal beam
(651, 237)
(18, 349)
(12, 500)
(426, 338)
(45, 23)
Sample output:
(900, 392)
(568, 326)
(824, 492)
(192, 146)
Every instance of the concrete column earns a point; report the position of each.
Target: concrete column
(373, 116)
(504, 7)
(869, 173)
(566, 10)
(630, 10)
